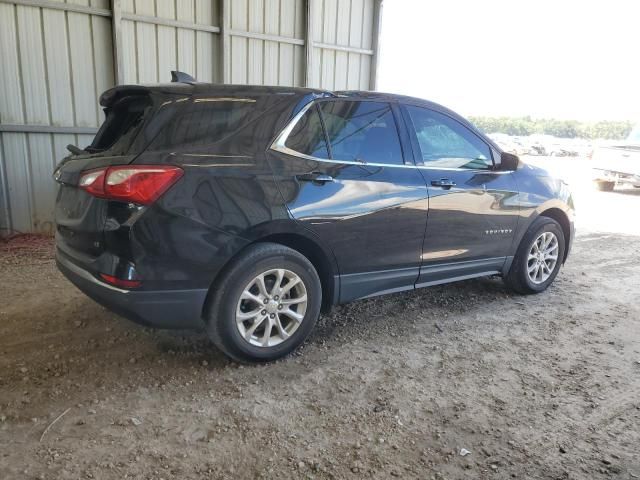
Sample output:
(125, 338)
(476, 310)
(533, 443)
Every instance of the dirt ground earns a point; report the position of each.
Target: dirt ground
(544, 386)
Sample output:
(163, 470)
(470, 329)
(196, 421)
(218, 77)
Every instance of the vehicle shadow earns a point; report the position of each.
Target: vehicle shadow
(95, 350)
(364, 319)
(359, 320)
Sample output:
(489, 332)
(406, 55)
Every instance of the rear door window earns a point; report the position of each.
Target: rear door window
(362, 131)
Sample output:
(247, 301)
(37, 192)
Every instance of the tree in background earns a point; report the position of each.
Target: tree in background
(522, 126)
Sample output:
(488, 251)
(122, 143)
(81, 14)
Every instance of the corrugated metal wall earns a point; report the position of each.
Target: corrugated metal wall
(54, 63)
(57, 57)
(346, 23)
(151, 51)
(277, 56)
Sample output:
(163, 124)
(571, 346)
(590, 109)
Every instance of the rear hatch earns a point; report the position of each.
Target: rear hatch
(162, 130)
(80, 217)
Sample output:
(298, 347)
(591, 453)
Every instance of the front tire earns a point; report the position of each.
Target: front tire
(539, 257)
(265, 304)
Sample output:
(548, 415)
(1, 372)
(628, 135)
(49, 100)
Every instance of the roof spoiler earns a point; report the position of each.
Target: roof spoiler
(181, 77)
(114, 94)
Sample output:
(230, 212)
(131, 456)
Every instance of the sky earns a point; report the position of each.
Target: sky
(564, 59)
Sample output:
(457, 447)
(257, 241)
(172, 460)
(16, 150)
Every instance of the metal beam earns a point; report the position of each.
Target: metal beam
(266, 36)
(5, 206)
(343, 48)
(118, 49)
(375, 43)
(67, 7)
(16, 128)
(134, 17)
(225, 40)
(309, 44)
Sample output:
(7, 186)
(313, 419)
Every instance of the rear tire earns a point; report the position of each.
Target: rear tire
(605, 186)
(265, 304)
(538, 258)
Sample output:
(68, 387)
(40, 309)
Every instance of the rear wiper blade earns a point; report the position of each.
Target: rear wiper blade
(75, 150)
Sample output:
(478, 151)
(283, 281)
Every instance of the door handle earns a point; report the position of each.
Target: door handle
(315, 177)
(444, 183)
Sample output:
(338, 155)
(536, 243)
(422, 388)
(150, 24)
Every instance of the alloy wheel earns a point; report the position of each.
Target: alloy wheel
(542, 258)
(271, 307)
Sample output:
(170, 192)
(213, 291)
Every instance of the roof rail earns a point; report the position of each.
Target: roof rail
(181, 77)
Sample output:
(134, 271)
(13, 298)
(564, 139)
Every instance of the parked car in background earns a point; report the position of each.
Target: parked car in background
(510, 144)
(538, 145)
(248, 210)
(618, 164)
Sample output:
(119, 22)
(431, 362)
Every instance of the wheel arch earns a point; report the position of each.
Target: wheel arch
(318, 257)
(290, 234)
(562, 218)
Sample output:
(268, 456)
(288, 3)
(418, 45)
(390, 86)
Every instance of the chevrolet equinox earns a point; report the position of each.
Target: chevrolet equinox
(248, 210)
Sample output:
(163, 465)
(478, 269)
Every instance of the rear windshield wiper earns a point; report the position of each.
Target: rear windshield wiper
(75, 150)
(94, 150)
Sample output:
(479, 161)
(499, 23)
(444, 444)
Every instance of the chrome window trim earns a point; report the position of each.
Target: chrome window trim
(278, 145)
(475, 170)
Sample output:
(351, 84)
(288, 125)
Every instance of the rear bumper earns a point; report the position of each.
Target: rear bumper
(159, 309)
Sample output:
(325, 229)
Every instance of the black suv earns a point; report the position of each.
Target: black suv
(247, 210)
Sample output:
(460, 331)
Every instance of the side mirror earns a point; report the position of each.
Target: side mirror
(508, 162)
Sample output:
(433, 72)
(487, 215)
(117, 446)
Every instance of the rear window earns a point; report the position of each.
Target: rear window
(203, 121)
(121, 124)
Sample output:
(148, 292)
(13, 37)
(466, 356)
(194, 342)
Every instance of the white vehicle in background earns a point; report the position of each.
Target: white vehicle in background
(618, 164)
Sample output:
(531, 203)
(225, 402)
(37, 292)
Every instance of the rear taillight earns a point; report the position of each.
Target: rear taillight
(141, 184)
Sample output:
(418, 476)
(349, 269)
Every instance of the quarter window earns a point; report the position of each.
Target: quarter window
(446, 143)
(361, 131)
(307, 136)
(204, 121)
